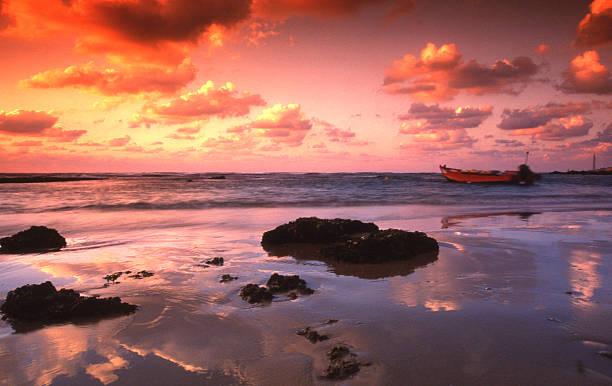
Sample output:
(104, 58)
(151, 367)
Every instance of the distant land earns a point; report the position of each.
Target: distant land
(602, 171)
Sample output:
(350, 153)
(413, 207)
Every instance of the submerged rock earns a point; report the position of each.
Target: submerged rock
(35, 239)
(381, 246)
(216, 261)
(42, 303)
(315, 230)
(312, 335)
(253, 293)
(227, 278)
(279, 283)
(342, 363)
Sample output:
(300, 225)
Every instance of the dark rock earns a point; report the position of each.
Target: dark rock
(42, 303)
(226, 278)
(315, 230)
(331, 321)
(253, 293)
(35, 239)
(292, 296)
(113, 277)
(141, 275)
(607, 354)
(381, 246)
(279, 283)
(342, 363)
(312, 335)
(216, 261)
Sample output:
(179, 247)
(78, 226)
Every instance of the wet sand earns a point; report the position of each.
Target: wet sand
(510, 299)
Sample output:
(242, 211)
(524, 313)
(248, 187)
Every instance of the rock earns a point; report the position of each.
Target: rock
(113, 277)
(381, 246)
(331, 321)
(227, 278)
(35, 239)
(253, 293)
(349, 241)
(216, 261)
(279, 283)
(42, 303)
(141, 274)
(315, 230)
(341, 367)
(607, 354)
(312, 335)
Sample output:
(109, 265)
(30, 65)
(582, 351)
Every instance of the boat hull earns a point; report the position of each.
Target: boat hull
(477, 176)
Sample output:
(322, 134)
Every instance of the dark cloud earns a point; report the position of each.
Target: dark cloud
(535, 116)
(5, 20)
(509, 142)
(151, 21)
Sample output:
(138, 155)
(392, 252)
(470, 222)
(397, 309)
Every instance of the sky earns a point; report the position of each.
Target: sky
(304, 85)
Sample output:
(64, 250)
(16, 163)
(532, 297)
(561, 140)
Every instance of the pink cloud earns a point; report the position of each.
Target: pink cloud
(184, 133)
(440, 73)
(421, 117)
(596, 27)
(283, 9)
(576, 126)
(112, 81)
(26, 122)
(439, 140)
(539, 115)
(120, 141)
(207, 102)
(586, 75)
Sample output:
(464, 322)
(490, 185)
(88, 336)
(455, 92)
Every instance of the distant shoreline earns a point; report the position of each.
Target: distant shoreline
(599, 172)
(40, 179)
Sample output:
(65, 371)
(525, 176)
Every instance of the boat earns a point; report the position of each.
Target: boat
(522, 176)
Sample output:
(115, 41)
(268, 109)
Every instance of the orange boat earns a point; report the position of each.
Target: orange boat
(522, 176)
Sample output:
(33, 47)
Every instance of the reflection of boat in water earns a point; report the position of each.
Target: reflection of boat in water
(522, 176)
(449, 221)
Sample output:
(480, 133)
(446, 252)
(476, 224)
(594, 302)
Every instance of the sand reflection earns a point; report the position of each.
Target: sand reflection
(583, 275)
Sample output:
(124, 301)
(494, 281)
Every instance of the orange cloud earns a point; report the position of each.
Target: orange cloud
(119, 142)
(586, 75)
(26, 122)
(284, 124)
(440, 73)
(206, 102)
(133, 29)
(112, 81)
(542, 49)
(187, 133)
(596, 27)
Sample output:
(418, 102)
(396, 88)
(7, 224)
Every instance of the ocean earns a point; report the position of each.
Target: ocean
(520, 292)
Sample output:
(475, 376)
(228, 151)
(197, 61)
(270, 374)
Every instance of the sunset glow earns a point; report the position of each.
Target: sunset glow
(303, 85)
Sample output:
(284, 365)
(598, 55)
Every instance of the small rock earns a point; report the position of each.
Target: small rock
(141, 275)
(331, 321)
(553, 319)
(569, 292)
(216, 261)
(280, 283)
(312, 335)
(113, 277)
(340, 367)
(292, 296)
(35, 239)
(226, 278)
(253, 293)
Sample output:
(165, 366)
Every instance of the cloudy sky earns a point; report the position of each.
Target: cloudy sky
(303, 85)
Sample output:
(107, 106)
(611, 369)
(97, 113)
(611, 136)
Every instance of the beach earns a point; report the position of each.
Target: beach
(519, 293)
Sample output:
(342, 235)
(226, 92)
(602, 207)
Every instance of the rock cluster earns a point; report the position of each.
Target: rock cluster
(254, 293)
(35, 239)
(42, 303)
(312, 335)
(342, 363)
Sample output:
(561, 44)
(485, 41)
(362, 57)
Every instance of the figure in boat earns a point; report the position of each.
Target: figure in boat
(522, 176)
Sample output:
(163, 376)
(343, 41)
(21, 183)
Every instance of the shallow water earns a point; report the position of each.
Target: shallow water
(491, 309)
